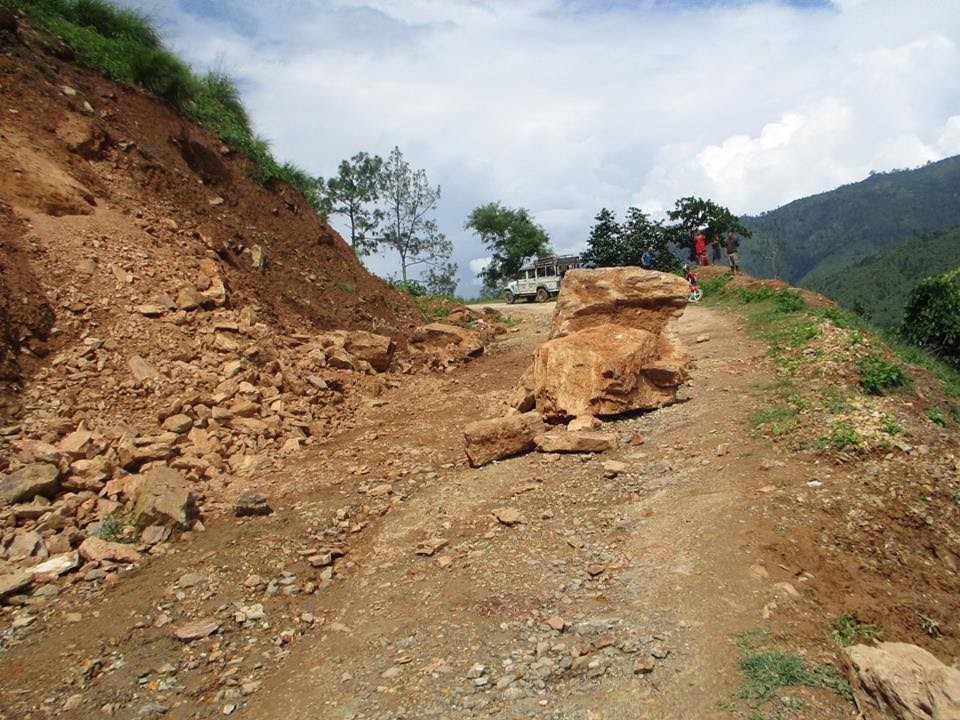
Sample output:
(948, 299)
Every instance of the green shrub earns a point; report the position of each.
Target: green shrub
(937, 417)
(788, 301)
(842, 435)
(849, 630)
(931, 319)
(412, 288)
(715, 285)
(877, 376)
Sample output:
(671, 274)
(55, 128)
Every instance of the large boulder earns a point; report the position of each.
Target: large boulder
(898, 681)
(612, 347)
(29, 481)
(489, 440)
(604, 370)
(162, 496)
(629, 296)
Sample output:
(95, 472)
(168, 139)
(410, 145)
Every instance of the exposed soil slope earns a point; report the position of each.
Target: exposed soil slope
(107, 197)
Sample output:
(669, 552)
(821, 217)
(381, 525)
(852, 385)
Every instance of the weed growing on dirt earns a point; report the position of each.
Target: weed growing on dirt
(931, 626)
(890, 426)
(877, 376)
(767, 669)
(842, 435)
(124, 46)
(114, 528)
(936, 416)
(849, 630)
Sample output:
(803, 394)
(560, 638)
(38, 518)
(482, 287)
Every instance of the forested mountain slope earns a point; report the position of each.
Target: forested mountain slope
(880, 284)
(808, 241)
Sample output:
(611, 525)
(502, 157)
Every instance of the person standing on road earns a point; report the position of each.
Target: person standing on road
(733, 252)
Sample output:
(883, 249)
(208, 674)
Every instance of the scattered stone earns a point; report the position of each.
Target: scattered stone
(93, 548)
(612, 468)
(703, 338)
(15, 582)
(595, 569)
(29, 481)
(556, 622)
(162, 496)
(179, 424)
(643, 665)
(508, 516)
(196, 630)
(428, 547)
(251, 504)
(141, 369)
(57, 565)
(489, 440)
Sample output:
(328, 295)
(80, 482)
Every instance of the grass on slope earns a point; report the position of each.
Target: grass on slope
(125, 47)
(840, 386)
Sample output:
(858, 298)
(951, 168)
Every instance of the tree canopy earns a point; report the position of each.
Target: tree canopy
(612, 244)
(691, 213)
(354, 193)
(511, 236)
(931, 319)
(409, 228)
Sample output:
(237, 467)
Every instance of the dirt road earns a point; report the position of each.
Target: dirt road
(384, 586)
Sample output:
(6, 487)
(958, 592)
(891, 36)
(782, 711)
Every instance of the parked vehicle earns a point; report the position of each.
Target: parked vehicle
(540, 279)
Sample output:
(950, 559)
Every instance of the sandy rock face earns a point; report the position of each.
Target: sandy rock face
(612, 347)
(902, 681)
(629, 296)
(489, 440)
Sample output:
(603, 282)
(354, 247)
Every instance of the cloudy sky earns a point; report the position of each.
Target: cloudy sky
(567, 106)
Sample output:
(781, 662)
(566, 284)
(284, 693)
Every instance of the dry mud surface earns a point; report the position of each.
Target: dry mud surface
(613, 597)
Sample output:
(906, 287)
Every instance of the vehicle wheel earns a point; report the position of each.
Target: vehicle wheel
(508, 297)
(542, 295)
(695, 295)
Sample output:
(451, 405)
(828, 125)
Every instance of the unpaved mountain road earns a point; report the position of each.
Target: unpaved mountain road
(614, 597)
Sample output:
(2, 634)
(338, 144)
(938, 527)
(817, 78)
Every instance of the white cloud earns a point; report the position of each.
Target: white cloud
(565, 108)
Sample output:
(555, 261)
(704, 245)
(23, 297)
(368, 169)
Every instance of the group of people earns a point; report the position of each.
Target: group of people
(732, 247)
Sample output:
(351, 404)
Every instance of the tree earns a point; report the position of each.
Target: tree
(690, 213)
(641, 233)
(354, 194)
(409, 229)
(605, 244)
(511, 236)
(931, 319)
(612, 244)
(442, 279)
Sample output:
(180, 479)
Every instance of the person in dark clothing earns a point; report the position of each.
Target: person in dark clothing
(715, 248)
(646, 260)
(733, 252)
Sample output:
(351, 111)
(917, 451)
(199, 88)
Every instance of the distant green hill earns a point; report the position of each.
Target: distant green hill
(881, 283)
(809, 241)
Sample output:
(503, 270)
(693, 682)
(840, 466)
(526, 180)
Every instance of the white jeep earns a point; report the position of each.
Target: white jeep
(540, 279)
